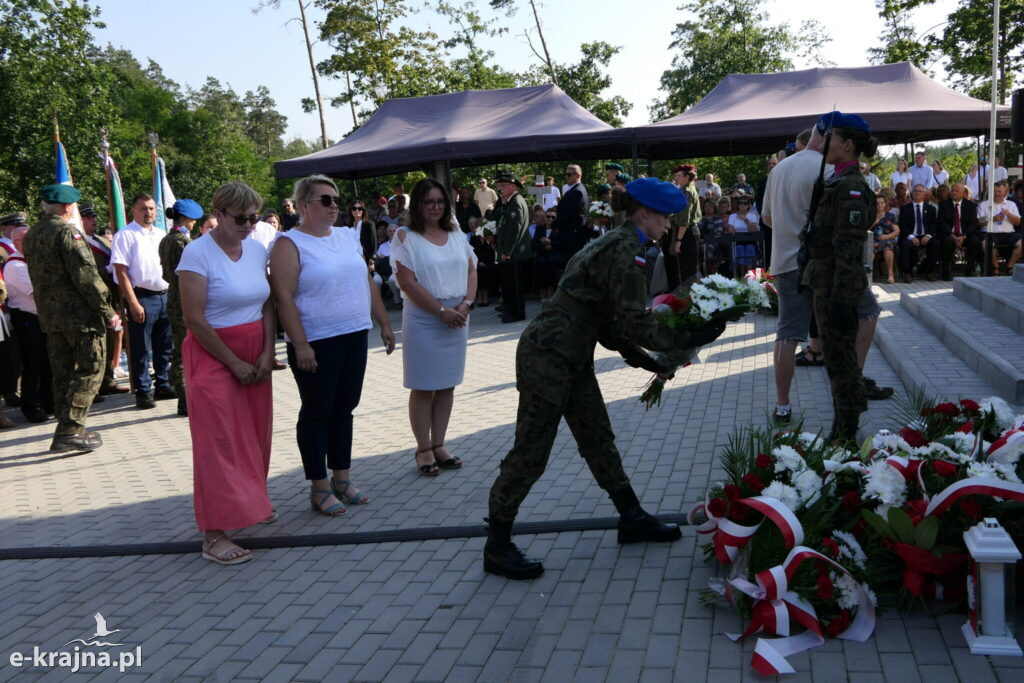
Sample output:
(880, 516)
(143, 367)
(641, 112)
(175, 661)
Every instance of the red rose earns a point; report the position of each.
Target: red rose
(913, 437)
(943, 468)
(716, 507)
(732, 492)
(916, 510)
(831, 546)
(753, 481)
(970, 406)
(946, 410)
(825, 588)
(970, 507)
(763, 460)
(968, 427)
(913, 582)
(851, 501)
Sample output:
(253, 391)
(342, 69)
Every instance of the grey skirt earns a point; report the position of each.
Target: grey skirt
(433, 354)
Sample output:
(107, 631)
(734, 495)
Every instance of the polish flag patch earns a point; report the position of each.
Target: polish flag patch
(854, 193)
(640, 261)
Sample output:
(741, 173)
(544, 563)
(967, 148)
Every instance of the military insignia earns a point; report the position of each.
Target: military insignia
(854, 217)
(639, 261)
(855, 193)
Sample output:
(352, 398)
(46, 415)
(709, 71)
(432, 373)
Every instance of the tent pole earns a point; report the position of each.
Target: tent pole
(636, 160)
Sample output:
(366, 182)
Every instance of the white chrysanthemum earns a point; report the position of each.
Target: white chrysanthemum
(808, 485)
(855, 466)
(982, 470)
(808, 439)
(847, 595)
(1005, 471)
(786, 458)
(784, 493)
(839, 454)
(719, 281)
(1004, 415)
(699, 290)
(960, 442)
(934, 450)
(892, 443)
(849, 548)
(885, 484)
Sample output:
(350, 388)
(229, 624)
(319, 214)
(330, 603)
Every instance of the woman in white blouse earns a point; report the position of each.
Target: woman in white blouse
(436, 271)
(941, 175)
(901, 174)
(744, 219)
(971, 181)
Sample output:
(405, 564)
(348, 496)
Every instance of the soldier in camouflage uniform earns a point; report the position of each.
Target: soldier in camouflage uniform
(73, 311)
(836, 273)
(185, 212)
(512, 218)
(602, 298)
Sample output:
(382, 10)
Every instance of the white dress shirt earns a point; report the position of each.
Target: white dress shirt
(138, 248)
(922, 175)
(19, 286)
(918, 210)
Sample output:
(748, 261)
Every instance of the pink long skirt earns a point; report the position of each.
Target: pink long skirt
(231, 429)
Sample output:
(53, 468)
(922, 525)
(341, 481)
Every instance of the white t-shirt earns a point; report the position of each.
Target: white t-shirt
(997, 226)
(235, 290)
(549, 197)
(441, 270)
(485, 199)
(19, 285)
(739, 224)
(333, 291)
(972, 184)
(138, 248)
(787, 197)
(1001, 174)
(264, 233)
(941, 178)
(896, 178)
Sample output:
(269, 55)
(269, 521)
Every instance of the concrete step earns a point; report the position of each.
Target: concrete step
(1001, 298)
(911, 350)
(992, 350)
(1018, 273)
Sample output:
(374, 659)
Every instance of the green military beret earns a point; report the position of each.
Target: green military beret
(614, 167)
(16, 218)
(60, 194)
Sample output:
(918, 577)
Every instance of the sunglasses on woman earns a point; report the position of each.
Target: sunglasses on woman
(327, 200)
(355, 208)
(241, 220)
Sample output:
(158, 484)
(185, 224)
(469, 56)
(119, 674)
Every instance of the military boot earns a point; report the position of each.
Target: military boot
(844, 429)
(84, 442)
(502, 557)
(638, 526)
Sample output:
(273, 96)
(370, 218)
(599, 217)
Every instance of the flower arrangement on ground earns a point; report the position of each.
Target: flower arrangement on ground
(601, 210)
(713, 299)
(815, 535)
(763, 277)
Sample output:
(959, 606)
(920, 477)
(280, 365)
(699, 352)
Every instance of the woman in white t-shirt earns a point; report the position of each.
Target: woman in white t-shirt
(901, 174)
(325, 300)
(436, 270)
(744, 219)
(228, 356)
(941, 174)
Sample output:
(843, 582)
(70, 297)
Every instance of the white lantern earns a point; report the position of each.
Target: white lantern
(990, 590)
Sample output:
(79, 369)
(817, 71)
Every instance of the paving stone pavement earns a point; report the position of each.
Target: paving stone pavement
(424, 610)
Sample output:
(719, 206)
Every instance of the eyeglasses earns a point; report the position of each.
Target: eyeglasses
(571, 173)
(253, 218)
(433, 203)
(355, 208)
(327, 200)
(550, 218)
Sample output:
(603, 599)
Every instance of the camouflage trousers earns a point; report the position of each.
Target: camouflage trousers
(840, 349)
(76, 360)
(176, 374)
(536, 426)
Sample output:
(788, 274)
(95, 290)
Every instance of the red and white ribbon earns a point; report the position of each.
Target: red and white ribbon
(975, 485)
(1005, 446)
(729, 537)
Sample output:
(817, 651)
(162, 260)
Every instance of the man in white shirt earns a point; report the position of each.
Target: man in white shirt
(921, 173)
(1001, 222)
(139, 276)
(872, 180)
(484, 197)
(711, 188)
(550, 194)
(1000, 172)
(36, 379)
(399, 189)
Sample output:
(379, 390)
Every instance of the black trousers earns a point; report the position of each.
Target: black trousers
(512, 278)
(689, 256)
(10, 367)
(909, 254)
(329, 395)
(36, 377)
(972, 251)
(670, 260)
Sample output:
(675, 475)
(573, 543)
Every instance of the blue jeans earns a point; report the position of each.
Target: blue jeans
(150, 340)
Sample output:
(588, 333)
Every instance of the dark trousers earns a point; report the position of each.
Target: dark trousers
(329, 395)
(670, 260)
(909, 255)
(689, 256)
(10, 367)
(512, 289)
(150, 340)
(767, 232)
(36, 378)
(972, 253)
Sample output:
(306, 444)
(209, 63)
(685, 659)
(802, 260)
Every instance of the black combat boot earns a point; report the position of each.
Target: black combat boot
(502, 557)
(844, 429)
(637, 526)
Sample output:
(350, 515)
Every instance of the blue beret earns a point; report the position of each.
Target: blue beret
(837, 119)
(613, 167)
(657, 195)
(60, 194)
(188, 208)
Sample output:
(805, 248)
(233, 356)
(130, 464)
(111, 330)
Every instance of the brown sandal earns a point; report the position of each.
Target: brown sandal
(430, 469)
(451, 463)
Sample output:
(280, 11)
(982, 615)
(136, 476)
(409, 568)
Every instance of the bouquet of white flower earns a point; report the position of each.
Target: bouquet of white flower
(601, 210)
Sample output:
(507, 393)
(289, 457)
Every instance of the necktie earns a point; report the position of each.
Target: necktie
(919, 228)
(956, 220)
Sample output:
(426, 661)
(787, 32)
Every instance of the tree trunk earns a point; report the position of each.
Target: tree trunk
(544, 44)
(351, 100)
(316, 78)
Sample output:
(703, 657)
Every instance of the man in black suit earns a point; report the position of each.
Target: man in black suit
(956, 227)
(917, 231)
(573, 207)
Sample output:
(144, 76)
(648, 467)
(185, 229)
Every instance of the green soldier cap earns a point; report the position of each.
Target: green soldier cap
(86, 209)
(16, 218)
(60, 194)
(614, 167)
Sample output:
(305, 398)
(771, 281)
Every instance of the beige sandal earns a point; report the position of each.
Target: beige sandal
(221, 559)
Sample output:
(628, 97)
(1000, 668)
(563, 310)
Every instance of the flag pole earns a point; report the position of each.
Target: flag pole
(105, 154)
(153, 139)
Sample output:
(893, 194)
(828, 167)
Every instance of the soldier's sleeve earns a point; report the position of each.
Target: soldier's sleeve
(695, 211)
(81, 269)
(852, 215)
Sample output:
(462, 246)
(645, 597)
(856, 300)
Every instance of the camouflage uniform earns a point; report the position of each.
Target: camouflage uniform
(73, 309)
(170, 250)
(602, 297)
(836, 276)
(512, 220)
(100, 246)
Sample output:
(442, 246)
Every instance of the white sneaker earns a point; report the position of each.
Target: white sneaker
(120, 373)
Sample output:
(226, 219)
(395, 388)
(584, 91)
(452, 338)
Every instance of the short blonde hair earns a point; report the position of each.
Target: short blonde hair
(303, 189)
(236, 196)
(573, 168)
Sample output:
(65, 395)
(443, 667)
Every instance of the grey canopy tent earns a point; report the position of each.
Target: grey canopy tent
(468, 128)
(754, 113)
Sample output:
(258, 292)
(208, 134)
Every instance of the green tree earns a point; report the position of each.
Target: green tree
(586, 80)
(900, 42)
(967, 43)
(263, 123)
(722, 37)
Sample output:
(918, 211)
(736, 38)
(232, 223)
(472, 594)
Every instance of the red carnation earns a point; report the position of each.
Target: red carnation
(970, 406)
(732, 492)
(913, 437)
(916, 510)
(716, 507)
(943, 468)
(763, 460)
(753, 481)
(825, 588)
(914, 582)
(946, 409)
(831, 546)
(851, 501)
(968, 427)
(971, 508)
